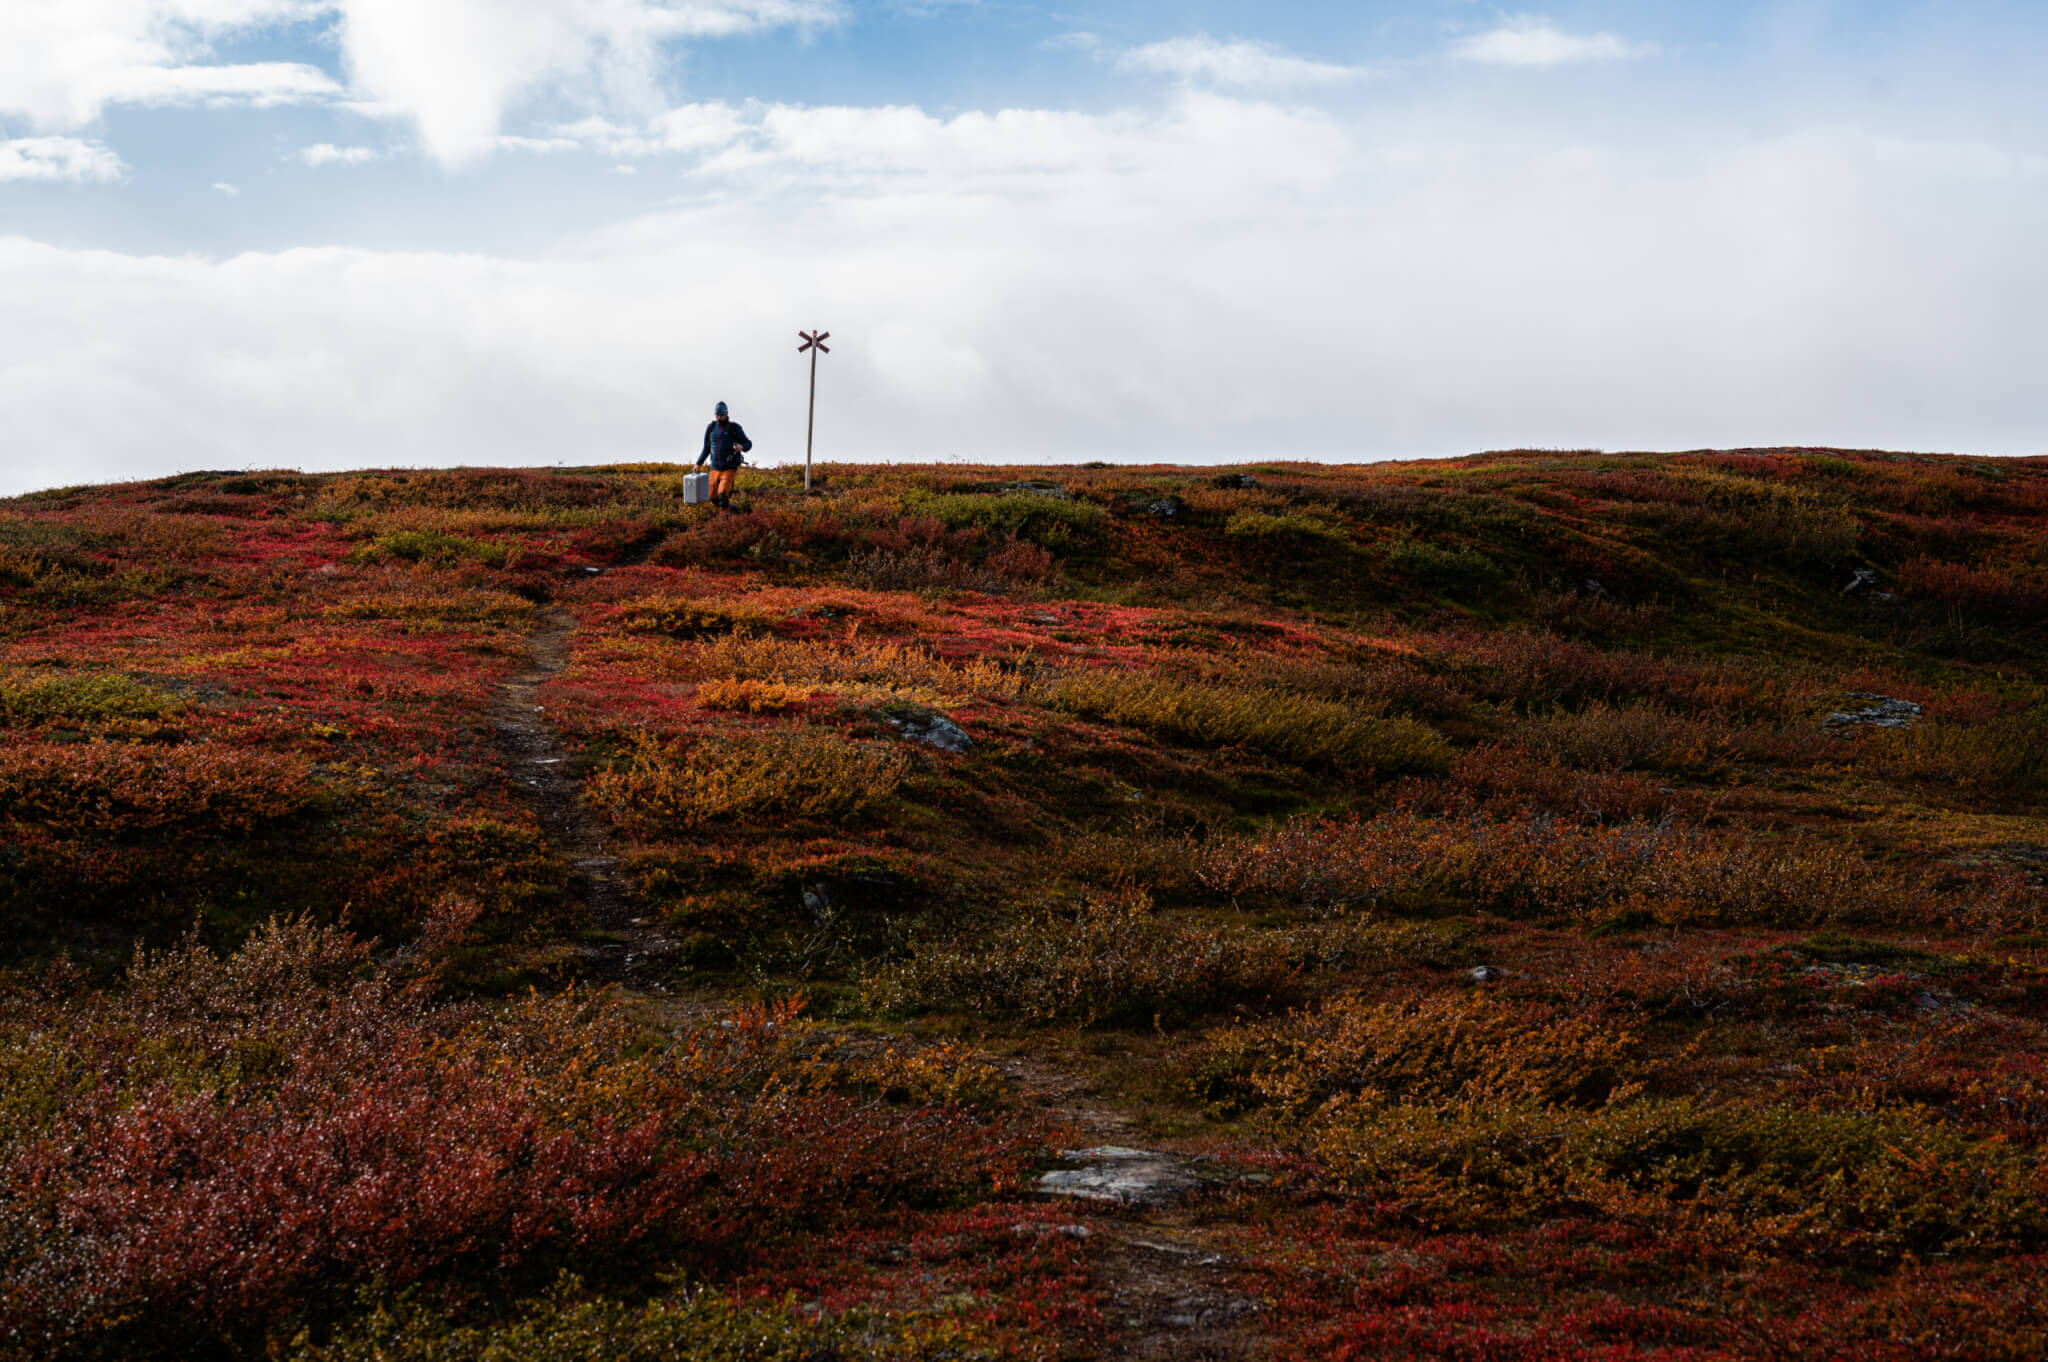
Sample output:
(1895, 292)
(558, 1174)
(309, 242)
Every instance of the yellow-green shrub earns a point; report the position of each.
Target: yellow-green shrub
(1113, 960)
(681, 617)
(1441, 1046)
(95, 697)
(430, 604)
(1283, 526)
(750, 697)
(566, 1326)
(434, 546)
(1856, 1186)
(878, 665)
(1296, 727)
(803, 773)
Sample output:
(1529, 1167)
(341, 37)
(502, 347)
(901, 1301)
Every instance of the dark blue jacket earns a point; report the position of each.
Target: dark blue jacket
(724, 444)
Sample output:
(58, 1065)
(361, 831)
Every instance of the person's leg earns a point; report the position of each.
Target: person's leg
(721, 485)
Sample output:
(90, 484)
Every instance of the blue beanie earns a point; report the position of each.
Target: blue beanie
(721, 410)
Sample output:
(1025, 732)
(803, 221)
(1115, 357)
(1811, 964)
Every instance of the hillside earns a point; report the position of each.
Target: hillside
(1536, 905)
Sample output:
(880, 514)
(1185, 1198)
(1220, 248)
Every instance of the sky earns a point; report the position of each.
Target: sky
(320, 234)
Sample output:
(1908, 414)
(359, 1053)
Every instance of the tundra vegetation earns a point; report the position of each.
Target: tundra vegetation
(1567, 904)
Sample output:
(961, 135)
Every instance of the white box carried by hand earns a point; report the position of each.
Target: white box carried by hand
(696, 487)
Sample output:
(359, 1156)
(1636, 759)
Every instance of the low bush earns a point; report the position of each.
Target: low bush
(92, 697)
(1285, 527)
(1860, 1188)
(1440, 568)
(1017, 564)
(1443, 1046)
(1051, 519)
(682, 617)
(118, 790)
(1614, 738)
(228, 1150)
(1112, 960)
(714, 538)
(433, 603)
(877, 666)
(750, 697)
(798, 773)
(436, 547)
(700, 1326)
(2004, 756)
(1545, 868)
(1295, 727)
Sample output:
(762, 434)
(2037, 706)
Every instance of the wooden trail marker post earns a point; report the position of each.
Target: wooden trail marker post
(814, 341)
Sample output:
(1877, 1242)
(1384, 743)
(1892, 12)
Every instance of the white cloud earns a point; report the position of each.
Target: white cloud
(1421, 294)
(538, 145)
(1198, 147)
(232, 191)
(328, 154)
(1527, 40)
(457, 66)
(260, 84)
(454, 68)
(63, 61)
(58, 158)
(1234, 63)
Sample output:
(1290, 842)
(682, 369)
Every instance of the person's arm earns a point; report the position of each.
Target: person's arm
(707, 447)
(739, 438)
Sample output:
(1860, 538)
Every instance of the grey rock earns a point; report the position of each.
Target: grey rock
(1486, 974)
(934, 730)
(1166, 508)
(1882, 711)
(1129, 1177)
(1862, 579)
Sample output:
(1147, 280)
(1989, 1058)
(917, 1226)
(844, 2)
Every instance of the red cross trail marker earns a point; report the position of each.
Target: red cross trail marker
(813, 341)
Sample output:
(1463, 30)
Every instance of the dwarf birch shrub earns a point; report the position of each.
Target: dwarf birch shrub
(97, 697)
(882, 666)
(1113, 960)
(749, 697)
(1442, 1046)
(1863, 1188)
(1297, 728)
(797, 773)
(428, 603)
(434, 546)
(121, 789)
(681, 617)
(699, 1326)
(1549, 868)
(1051, 520)
(228, 1150)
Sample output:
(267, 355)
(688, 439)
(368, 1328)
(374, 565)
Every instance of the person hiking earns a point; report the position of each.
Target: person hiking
(725, 444)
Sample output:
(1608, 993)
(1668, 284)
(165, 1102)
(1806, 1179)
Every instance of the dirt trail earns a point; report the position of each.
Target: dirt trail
(1166, 1265)
(1166, 1272)
(551, 782)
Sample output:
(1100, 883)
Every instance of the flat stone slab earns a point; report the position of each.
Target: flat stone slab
(1129, 1177)
(1883, 711)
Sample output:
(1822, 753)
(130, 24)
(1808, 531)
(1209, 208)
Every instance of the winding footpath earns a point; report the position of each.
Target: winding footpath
(551, 782)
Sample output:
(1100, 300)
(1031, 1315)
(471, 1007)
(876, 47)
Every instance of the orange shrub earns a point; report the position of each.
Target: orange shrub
(227, 1150)
(121, 789)
(1113, 960)
(803, 773)
(750, 697)
(1542, 867)
(1445, 1045)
